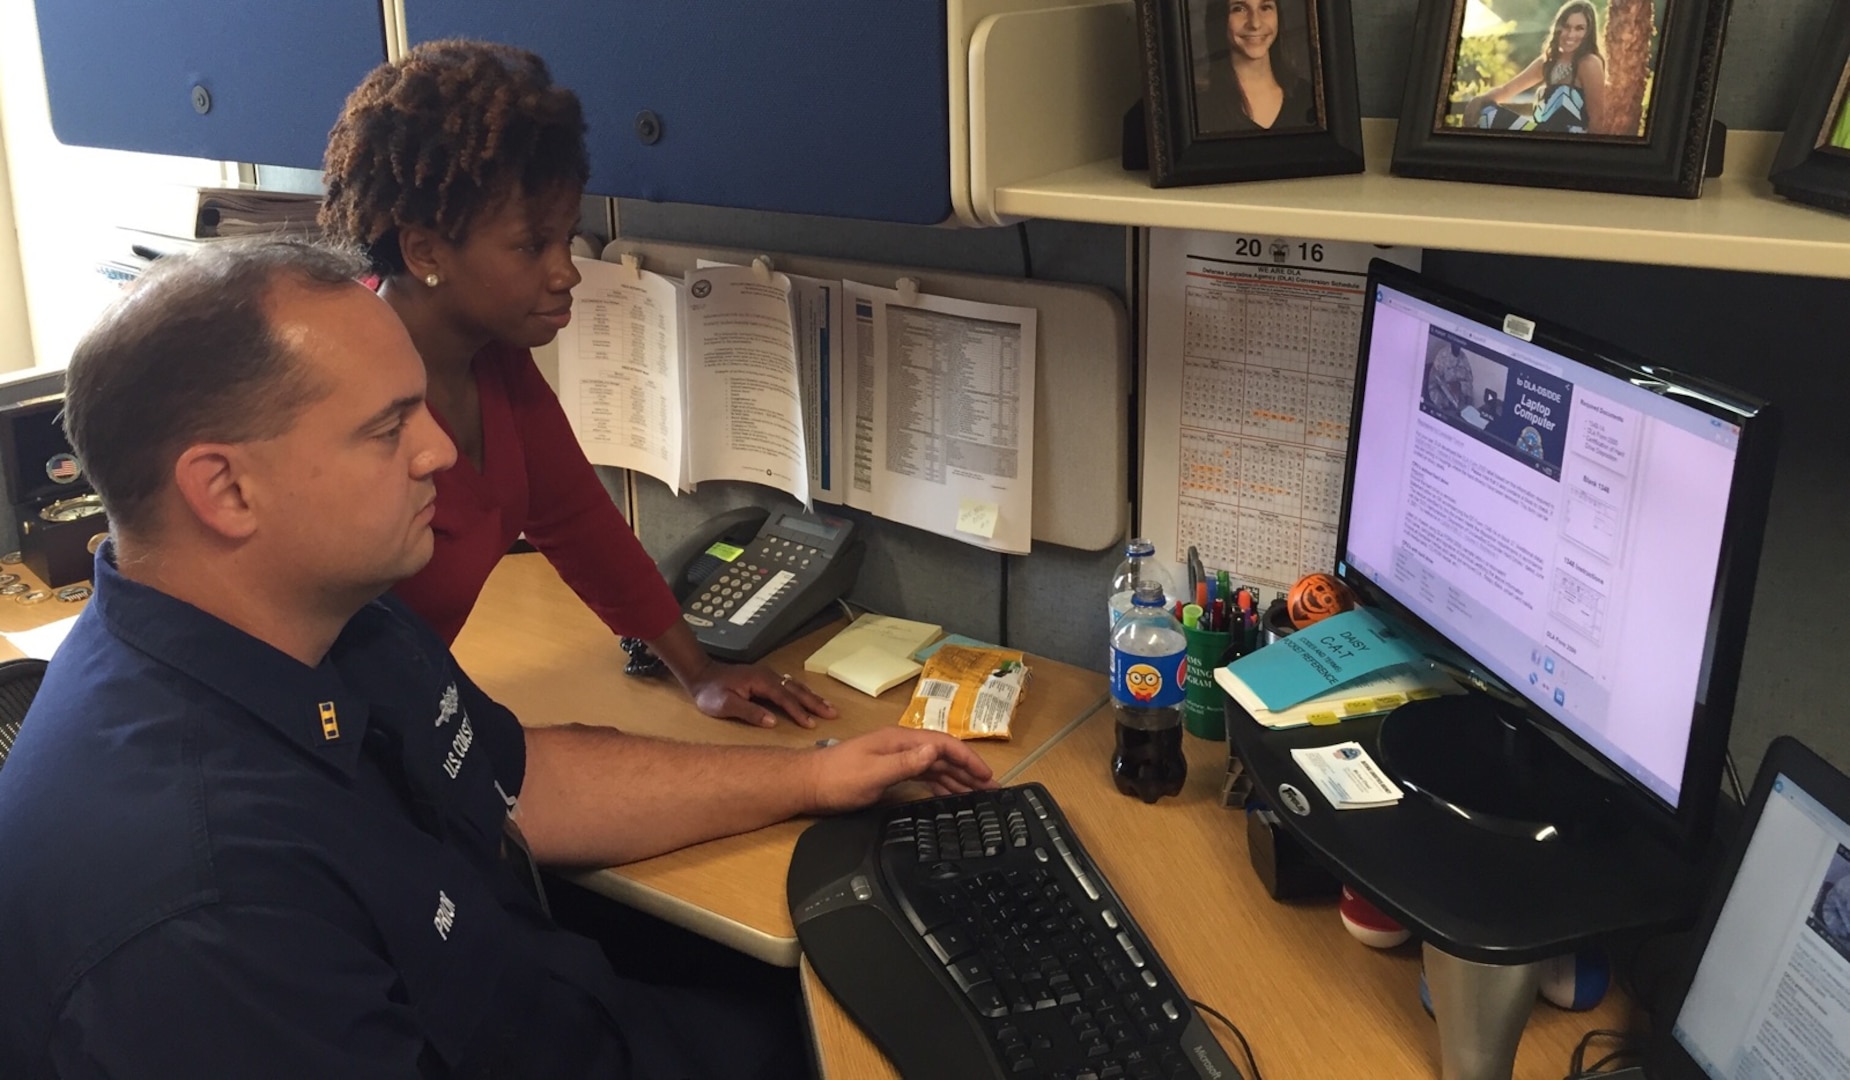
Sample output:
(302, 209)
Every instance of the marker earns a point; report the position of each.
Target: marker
(1201, 595)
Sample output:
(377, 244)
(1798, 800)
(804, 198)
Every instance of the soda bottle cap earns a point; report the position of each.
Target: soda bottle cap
(1148, 594)
(1138, 549)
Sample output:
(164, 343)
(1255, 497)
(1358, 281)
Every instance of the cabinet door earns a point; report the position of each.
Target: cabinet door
(241, 80)
(809, 106)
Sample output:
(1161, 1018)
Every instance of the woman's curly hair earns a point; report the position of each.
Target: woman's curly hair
(442, 135)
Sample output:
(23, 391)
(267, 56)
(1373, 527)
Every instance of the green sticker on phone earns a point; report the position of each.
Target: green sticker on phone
(725, 551)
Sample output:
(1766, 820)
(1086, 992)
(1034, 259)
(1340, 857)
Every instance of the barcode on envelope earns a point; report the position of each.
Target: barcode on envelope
(936, 688)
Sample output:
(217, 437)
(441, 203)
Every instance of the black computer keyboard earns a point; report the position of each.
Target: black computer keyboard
(972, 936)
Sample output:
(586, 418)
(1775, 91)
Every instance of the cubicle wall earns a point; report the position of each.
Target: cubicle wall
(1054, 597)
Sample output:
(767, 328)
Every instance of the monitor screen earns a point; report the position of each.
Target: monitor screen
(1557, 523)
(1771, 994)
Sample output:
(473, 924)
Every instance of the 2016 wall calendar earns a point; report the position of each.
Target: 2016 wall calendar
(1249, 370)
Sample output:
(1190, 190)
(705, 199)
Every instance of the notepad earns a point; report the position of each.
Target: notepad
(894, 636)
(872, 670)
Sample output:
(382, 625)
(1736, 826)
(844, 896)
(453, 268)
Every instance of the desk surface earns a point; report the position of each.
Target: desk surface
(1310, 999)
(535, 648)
(15, 616)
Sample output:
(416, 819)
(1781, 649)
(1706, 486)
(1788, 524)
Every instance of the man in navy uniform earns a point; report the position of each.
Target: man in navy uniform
(258, 822)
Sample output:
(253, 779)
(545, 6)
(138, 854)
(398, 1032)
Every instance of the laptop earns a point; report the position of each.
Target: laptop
(1768, 996)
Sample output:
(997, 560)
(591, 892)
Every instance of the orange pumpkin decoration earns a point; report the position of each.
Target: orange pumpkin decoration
(1317, 596)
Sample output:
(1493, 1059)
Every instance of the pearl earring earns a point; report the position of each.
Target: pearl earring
(431, 280)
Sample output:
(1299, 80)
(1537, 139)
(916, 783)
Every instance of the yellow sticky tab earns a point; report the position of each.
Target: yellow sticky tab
(1389, 701)
(977, 518)
(1422, 694)
(725, 551)
(1323, 719)
(330, 726)
(1358, 705)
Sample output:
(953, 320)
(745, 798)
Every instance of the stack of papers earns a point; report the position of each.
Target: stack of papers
(1352, 664)
(1347, 776)
(1370, 695)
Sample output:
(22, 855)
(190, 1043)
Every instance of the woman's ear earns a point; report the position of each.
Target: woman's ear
(419, 247)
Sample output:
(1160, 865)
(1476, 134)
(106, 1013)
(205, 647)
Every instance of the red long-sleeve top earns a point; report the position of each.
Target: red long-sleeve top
(534, 480)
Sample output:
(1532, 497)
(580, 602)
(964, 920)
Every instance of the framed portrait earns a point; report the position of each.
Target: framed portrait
(1813, 162)
(1248, 90)
(1601, 95)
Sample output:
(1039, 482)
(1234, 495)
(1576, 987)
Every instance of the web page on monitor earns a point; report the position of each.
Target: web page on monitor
(1771, 995)
(1560, 525)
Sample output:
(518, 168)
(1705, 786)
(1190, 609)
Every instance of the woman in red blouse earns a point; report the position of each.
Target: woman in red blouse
(459, 171)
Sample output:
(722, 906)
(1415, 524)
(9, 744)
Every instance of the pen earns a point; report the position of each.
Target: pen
(1201, 594)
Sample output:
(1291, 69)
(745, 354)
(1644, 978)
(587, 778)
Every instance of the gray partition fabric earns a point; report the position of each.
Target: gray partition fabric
(1081, 388)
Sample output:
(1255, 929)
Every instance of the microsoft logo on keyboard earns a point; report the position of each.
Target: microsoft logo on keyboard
(1201, 1052)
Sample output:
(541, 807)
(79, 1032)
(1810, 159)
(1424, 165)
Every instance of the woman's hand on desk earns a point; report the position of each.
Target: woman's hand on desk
(858, 771)
(733, 692)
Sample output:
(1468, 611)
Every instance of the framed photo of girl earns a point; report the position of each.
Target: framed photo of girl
(1600, 95)
(1248, 90)
(1813, 161)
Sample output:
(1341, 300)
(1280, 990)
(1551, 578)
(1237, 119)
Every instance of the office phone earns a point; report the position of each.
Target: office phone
(751, 579)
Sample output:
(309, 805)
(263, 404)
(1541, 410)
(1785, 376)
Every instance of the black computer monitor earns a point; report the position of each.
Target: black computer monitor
(1583, 528)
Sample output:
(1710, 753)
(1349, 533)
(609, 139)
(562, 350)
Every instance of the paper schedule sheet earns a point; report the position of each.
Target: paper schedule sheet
(620, 370)
(1250, 371)
(942, 399)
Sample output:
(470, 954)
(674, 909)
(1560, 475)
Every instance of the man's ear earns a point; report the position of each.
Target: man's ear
(421, 248)
(212, 481)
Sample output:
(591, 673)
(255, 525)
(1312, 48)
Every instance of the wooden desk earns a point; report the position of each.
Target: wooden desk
(532, 645)
(1310, 999)
(15, 616)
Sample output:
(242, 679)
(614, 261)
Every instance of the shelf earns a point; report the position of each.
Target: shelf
(1738, 224)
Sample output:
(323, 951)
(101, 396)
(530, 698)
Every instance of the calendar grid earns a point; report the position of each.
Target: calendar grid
(1268, 379)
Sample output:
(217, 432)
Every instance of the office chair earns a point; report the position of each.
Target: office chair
(19, 682)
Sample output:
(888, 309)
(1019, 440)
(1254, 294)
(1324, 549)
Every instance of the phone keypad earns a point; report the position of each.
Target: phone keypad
(739, 581)
(725, 592)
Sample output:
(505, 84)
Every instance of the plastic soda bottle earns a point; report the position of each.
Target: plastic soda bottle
(1149, 658)
(1139, 565)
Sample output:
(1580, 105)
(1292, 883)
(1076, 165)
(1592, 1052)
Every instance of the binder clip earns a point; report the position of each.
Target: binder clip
(762, 269)
(908, 290)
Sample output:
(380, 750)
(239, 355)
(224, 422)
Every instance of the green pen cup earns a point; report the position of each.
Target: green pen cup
(1204, 703)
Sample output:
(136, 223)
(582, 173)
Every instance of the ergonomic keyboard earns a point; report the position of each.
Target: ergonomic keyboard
(973, 936)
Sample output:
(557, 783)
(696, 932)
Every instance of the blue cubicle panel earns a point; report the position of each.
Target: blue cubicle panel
(831, 107)
(127, 74)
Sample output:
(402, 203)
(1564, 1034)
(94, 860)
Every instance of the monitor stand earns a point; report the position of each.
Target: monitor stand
(1482, 760)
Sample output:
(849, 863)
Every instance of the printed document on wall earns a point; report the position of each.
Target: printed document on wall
(940, 401)
(741, 360)
(620, 370)
(816, 310)
(1250, 347)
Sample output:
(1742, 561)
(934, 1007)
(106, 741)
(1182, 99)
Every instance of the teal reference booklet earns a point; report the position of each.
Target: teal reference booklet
(1322, 657)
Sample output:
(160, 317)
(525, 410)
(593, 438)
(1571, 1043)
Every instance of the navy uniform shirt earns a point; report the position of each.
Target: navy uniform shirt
(215, 861)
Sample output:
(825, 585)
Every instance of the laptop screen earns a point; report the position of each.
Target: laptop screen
(1771, 995)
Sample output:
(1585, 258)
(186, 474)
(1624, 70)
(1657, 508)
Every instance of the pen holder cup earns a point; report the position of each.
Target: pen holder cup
(1204, 705)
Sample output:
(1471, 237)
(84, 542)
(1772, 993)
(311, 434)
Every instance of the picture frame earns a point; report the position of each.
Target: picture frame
(1812, 164)
(1202, 127)
(1619, 95)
